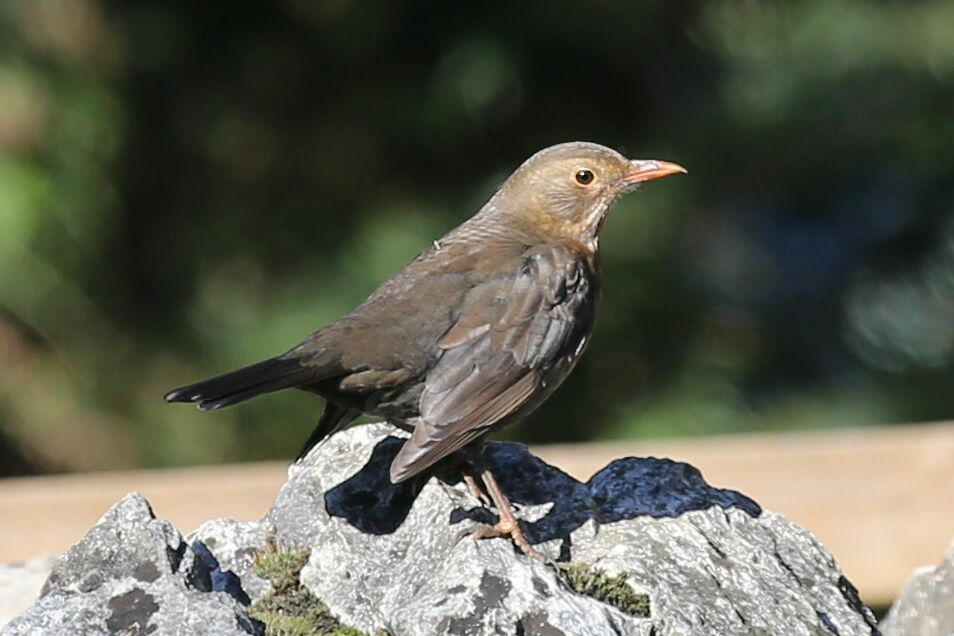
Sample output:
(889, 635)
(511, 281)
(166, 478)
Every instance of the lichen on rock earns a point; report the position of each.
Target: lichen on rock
(587, 579)
(290, 609)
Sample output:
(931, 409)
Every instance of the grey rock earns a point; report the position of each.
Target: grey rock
(132, 574)
(394, 558)
(712, 559)
(388, 557)
(399, 558)
(20, 584)
(925, 606)
(234, 545)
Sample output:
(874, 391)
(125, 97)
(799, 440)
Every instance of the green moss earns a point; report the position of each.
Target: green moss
(281, 569)
(612, 590)
(290, 609)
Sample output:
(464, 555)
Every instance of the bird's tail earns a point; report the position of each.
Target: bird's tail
(267, 376)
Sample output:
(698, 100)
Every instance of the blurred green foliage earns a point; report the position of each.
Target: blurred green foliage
(189, 187)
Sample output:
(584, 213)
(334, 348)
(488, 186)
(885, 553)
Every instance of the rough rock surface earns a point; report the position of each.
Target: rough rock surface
(926, 604)
(398, 558)
(134, 574)
(20, 584)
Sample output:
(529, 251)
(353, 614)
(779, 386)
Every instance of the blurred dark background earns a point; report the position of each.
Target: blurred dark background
(189, 187)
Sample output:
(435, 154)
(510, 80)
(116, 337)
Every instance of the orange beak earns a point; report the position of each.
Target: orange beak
(647, 170)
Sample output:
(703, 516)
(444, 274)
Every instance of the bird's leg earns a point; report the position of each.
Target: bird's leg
(475, 488)
(507, 523)
(465, 462)
(470, 468)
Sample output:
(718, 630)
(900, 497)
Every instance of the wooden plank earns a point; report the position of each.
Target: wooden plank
(48, 514)
(881, 499)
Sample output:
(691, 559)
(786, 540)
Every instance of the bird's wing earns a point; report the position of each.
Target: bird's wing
(510, 331)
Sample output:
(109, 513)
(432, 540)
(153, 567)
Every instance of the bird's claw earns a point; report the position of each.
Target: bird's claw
(463, 534)
(515, 532)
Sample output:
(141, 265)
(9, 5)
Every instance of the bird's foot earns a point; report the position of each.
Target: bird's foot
(507, 523)
(476, 490)
(510, 528)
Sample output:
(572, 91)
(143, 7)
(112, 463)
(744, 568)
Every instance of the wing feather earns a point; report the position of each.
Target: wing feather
(512, 328)
(424, 448)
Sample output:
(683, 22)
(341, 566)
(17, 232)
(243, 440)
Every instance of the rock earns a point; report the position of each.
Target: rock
(235, 545)
(926, 604)
(134, 574)
(20, 584)
(710, 561)
(644, 547)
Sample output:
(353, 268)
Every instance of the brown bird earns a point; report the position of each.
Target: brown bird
(474, 333)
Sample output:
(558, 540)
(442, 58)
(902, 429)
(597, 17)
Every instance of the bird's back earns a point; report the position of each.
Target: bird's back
(386, 347)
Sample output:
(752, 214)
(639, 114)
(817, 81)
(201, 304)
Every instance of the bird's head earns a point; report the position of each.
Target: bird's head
(566, 190)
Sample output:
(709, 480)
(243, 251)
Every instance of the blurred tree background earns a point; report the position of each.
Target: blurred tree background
(188, 187)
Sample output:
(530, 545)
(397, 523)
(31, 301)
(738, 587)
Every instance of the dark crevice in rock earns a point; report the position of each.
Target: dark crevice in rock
(823, 617)
(539, 586)
(206, 575)
(850, 594)
(740, 616)
(715, 548)
(175, 555)
(785, 565)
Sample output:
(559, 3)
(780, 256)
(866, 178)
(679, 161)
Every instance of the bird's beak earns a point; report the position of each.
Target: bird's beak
(647, 170)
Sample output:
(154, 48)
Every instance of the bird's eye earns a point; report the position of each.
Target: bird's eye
(584, 177)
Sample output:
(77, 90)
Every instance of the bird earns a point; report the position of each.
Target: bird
(474, 333)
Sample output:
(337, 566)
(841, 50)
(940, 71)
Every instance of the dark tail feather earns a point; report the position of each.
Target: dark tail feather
(333, 419)
(264, 377)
